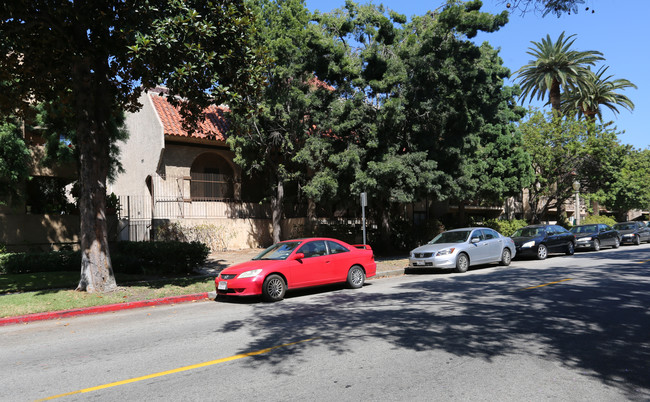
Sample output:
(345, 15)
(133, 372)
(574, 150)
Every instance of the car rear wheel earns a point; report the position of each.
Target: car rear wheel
(617, 242)
(637, 240)
(356, 277)
(506, 257)
(542, 252)
(462, 263)
(596, 245)
(273, 288)
(570, 249)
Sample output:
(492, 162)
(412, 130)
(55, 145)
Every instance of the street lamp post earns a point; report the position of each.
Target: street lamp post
(576, 187)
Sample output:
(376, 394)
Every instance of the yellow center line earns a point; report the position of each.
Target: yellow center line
(641, 262)
(546, 284)
(174, 371)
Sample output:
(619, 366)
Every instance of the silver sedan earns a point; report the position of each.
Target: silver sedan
(460, 248)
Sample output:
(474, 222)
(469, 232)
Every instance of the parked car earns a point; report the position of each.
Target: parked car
(596, 235)
(540, 240)
(633, 232)
(461, 248)
(300, 263)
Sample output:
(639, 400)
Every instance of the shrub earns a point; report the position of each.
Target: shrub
(591, 219)
(505, 227)
(55, 261)
(159, 257)
(126, 257)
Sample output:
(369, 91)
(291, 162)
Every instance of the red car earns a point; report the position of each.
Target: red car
(300, 263)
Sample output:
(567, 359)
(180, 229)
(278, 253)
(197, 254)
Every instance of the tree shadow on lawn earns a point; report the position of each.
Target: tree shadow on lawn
(594, 324)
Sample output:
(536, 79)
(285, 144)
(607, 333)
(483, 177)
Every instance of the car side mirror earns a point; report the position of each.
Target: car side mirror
(475, 239)
(298, 256)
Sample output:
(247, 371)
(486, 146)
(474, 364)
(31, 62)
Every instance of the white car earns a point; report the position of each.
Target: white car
(461, 248)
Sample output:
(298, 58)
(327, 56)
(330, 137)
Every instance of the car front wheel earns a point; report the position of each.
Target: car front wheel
(637, 240)
(506, 257)
(356, 277)
(617, 242)
(542, 252)
(273, 288)
(596, 245)
(462, 263)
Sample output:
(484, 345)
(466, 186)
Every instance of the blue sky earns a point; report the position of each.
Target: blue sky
(618, 29)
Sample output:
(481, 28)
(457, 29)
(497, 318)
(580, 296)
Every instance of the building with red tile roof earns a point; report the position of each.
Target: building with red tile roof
(177, 174)
(213, 127)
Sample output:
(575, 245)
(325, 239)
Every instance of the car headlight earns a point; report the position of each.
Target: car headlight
(629, 235)
(250, 274)
(528, 244)
(586, 238)
(446, 251)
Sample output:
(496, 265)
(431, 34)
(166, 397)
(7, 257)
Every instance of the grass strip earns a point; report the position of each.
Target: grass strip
(44, 300)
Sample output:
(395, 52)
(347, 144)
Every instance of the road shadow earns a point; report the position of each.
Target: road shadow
(594, 323)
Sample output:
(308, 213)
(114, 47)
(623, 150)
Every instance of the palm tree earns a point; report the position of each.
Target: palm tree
(596, 91)
(555, 65)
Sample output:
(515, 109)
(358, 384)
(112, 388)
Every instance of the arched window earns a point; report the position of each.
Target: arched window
(212, 178)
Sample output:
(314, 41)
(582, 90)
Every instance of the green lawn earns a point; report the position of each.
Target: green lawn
(51, 291)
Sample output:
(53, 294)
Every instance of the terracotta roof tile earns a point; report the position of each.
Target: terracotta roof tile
(214, 127)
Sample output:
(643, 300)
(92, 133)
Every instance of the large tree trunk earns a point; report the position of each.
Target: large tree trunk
(93, 106)
(596, 207)
(276, 207)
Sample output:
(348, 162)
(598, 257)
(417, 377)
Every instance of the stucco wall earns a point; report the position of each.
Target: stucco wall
(178, 158)
(141, 152)
(239, 234)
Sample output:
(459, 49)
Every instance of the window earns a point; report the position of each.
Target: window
(419, 218)
(558, 229)
(313, 249)
(336, 248)
(489, 234)
(211, 178)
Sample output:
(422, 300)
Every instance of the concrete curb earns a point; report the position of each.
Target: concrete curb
(388, 274)
(50, 315)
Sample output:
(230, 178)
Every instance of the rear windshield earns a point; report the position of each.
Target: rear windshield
(625, 226)
(451, 237)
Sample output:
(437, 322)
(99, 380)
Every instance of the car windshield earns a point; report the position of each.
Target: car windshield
(528, 232)
(278, 251)
(625, 226)
(584, 229)
(451, 237)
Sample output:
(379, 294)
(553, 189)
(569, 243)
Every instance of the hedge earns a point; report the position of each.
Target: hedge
(126, 257)
(505, 227)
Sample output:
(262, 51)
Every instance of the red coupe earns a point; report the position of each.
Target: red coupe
(300, 263)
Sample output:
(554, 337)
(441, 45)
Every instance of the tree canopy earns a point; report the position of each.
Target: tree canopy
(557, 7)
(93, 60)
(360, 100)
(14, 167)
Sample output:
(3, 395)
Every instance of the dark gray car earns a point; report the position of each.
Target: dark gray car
(596, 235)
(540, 240)
(633, 232)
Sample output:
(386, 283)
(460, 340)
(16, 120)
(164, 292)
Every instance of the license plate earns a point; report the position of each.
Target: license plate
(419, 263)
(223, 285)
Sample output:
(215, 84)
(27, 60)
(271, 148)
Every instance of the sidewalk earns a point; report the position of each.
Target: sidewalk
(386, 267)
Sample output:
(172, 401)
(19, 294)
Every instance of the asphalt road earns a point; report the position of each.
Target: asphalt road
(568, 328)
